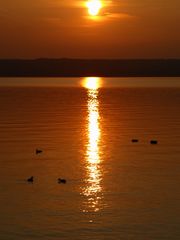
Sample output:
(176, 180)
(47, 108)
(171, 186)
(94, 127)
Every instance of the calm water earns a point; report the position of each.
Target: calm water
(115, 189)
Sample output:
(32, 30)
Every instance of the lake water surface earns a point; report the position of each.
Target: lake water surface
(115, 189)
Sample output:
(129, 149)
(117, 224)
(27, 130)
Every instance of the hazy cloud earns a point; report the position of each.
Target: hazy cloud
(118, 15)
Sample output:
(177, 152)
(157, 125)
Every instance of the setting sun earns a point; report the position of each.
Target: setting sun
(91, 82)
(94, 7)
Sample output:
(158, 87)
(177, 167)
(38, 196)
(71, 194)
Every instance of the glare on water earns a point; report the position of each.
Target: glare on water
(93, 188)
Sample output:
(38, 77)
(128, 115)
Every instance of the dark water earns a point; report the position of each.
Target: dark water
(115, 189)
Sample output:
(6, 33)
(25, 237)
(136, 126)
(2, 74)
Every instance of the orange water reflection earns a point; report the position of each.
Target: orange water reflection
(93, 189)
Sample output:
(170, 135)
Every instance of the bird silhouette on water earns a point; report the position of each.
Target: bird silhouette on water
(30, 180)
(134, 140)
(61, 180)
(38, 151)
(154, 142)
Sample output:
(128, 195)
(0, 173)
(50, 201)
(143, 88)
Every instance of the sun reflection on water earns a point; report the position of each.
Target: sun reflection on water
(93, 188)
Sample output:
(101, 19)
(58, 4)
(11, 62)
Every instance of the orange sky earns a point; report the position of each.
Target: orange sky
(63, 28)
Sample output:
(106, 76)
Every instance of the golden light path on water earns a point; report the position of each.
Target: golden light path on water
(93, 189)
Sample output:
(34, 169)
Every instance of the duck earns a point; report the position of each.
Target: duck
(38, 151)
(135, 140)
(154, 142)
(61, 180)
(31, 179)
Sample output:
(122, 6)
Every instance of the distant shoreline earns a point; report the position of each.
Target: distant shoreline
(90, 67)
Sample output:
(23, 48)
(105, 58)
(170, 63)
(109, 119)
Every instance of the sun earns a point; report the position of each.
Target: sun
(92, 83)
(94, 6)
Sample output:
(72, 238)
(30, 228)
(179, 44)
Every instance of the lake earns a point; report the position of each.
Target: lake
(115, 189)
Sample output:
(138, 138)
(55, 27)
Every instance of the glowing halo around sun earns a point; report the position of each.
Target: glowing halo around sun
(94, 6)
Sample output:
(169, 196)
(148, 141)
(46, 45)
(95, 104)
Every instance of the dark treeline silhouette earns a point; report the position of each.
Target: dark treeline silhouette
(89, 67)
